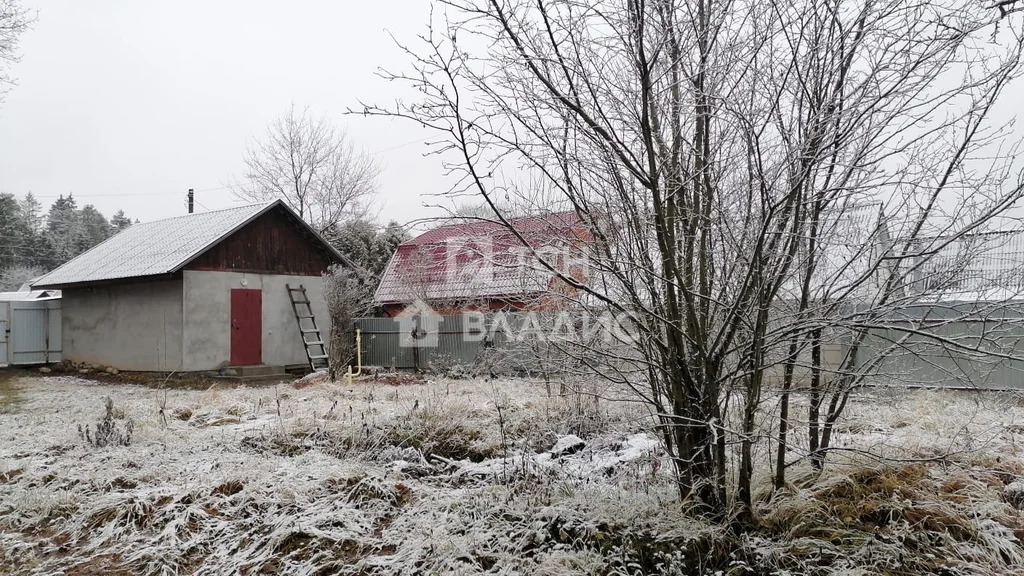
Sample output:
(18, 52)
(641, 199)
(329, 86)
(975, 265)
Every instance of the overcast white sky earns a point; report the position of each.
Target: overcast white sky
(128, 104)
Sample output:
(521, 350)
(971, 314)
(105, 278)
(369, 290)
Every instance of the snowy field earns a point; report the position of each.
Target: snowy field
(471, 477)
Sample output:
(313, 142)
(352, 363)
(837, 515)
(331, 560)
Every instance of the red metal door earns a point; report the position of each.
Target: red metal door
(246, 327)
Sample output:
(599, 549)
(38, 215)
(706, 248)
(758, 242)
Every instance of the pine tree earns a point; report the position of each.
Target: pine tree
(31, 245)
(63, 228)
(33, 249)
(12, 231)
(119, 221)
(31, 211)
(94, 229)
(363, 244)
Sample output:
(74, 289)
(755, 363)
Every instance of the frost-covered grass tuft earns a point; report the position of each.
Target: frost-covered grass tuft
(472, 477)
(111, 430)
(899, 519)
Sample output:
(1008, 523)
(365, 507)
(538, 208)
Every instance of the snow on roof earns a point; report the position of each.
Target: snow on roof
(26, 295)
(543, 225)
(475, 259)
(154, 248)
(987, 266)
(849, 241)
(852, 239)
(976, 267)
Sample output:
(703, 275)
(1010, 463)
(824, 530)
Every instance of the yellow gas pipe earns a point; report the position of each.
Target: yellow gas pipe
(359, 359)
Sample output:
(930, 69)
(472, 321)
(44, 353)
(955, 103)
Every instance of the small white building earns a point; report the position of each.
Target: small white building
(30, 327)
(197, 292)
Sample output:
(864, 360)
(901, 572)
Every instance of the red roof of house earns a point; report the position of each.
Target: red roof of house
(480, 259)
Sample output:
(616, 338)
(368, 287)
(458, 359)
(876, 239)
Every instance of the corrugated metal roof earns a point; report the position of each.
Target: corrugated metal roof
(850, 240)
(986, 266)
(543, 224)
(26, 295)
(154, 248)
(478, 259)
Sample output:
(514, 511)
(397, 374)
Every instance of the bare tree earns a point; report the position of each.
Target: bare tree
(714, 148)
(15, 277)
(312, 166)
(348, 297)
(468, 212)
(14, 21)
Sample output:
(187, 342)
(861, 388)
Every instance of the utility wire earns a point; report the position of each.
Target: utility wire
(87, 195)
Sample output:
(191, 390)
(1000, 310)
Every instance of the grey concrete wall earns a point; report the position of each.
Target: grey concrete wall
(207, 317)
(129, 326)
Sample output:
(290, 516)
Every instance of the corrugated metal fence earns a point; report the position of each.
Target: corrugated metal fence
(454, 340)
(965, 346)
(385, 343)
(445, 340)
(948, 350)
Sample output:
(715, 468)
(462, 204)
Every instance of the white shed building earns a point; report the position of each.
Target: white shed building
(198, 292)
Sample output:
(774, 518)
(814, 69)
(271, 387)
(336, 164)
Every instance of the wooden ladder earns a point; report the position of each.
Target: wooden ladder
(316, 349)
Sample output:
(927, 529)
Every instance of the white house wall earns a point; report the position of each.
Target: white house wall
(135, 326)
(207, 317)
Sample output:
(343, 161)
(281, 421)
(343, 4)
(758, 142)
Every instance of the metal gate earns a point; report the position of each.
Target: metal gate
(35, 332)
(30, 328)
(4, 331)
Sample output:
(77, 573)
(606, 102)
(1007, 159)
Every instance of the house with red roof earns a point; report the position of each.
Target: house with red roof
(485, 265)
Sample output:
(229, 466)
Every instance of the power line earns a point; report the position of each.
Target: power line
(397, 146)
(87, 195)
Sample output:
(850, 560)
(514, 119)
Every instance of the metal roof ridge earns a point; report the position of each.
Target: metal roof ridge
(263, 208)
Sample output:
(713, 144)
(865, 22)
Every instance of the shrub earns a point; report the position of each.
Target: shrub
(108, 431)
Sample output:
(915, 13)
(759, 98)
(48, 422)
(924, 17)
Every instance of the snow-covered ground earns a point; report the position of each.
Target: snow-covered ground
(463, 477)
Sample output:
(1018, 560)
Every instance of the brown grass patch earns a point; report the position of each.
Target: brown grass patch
(10, 476)
(229, 488)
